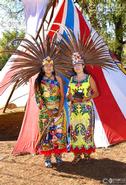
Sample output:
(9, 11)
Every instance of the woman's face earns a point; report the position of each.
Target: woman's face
(78, 68)
(48, 68)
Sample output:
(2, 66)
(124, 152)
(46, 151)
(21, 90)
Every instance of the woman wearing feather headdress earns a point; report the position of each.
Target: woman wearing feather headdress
(82, 89)
(42, 57)
(91, 50)
(50, 98)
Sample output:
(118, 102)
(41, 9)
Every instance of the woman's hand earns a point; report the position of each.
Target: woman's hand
(86, 99)
(57, 114)
(70, 97)
(50, 113)
(76, 100)
(79, 100)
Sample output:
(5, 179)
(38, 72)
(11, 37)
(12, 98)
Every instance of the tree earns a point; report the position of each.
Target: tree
(12, 24)
(4, 43)
(108, 17)
(11, 15)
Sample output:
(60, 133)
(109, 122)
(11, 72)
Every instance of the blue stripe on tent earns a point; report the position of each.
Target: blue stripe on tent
(70, 15)
(69, 23)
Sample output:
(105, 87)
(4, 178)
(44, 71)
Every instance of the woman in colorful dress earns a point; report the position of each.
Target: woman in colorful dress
(39, 57)
(80, 52)
(50, 99)
(82, 89)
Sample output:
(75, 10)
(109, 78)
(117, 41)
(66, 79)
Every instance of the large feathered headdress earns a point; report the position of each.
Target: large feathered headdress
(90, 50)
(64, 53)
(32, 54)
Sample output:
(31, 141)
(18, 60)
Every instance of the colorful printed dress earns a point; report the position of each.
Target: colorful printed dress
(81, 118)
(48, 98)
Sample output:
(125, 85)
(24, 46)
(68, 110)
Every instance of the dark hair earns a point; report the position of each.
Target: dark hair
(40, 77)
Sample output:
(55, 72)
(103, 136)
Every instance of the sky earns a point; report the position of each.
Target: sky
(7, 22)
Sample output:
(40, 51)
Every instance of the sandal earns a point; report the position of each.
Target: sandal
(58, 160)
(76, 159)
(48, 163)
(87, 157)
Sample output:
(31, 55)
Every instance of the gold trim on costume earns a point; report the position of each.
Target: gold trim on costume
(47, 60)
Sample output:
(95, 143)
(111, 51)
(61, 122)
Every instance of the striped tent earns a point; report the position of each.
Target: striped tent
(110, 109)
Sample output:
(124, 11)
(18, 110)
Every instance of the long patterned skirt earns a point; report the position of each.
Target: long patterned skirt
(55, 139)
(82, 128)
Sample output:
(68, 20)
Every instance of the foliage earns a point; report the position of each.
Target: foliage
(12, 24)
(11, 15)
(4, 42)
(108, 17)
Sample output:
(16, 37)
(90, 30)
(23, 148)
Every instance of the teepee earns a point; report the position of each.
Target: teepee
(110, 109)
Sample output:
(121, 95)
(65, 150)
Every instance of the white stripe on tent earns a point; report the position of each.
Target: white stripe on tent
(100, 137)
(5, 69)
(34, 14)
(116, 81)
(76, 23)
(19, 97)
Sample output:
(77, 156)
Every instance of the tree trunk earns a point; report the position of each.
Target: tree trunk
(91, 10)
(119, 37)
(119, 30)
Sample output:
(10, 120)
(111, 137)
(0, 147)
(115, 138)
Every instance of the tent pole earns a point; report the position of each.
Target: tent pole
(53, 4)
(10, 96)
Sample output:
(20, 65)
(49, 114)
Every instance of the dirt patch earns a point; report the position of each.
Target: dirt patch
(107, 165)
(10, 123)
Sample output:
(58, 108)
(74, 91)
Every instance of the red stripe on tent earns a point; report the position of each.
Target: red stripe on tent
(84, 29)
(110, 114)
(58, 19)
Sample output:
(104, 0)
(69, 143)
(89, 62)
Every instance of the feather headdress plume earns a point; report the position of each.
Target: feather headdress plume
(32, 52)
(31, 55)
(90, 50)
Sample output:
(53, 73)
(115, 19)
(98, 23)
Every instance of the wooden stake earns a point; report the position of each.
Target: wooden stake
(10, 96)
